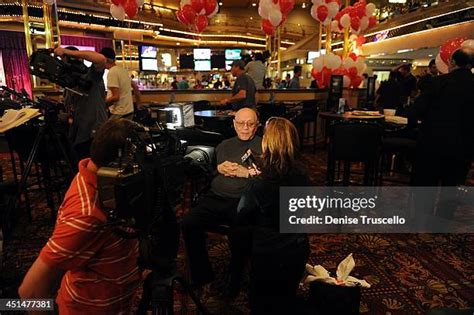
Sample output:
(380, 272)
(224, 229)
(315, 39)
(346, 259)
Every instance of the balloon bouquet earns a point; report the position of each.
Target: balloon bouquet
(196, 13)
(447, 50)
(356, 19)
(274, 14)
(120, 9)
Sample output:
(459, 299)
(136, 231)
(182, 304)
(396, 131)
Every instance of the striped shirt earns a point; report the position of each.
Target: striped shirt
(101, 267)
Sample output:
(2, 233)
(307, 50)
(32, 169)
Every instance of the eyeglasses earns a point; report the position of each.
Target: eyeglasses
(249, 124)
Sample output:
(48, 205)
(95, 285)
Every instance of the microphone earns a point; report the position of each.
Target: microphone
(248, 158)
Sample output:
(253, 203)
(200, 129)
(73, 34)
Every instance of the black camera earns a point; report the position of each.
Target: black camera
(65, 74)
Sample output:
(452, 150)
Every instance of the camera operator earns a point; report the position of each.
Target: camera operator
(88, 110)
(277, 260)
(219, 205)
(119, 85)
(98, 268)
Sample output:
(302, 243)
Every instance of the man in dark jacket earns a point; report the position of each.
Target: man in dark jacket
(446, 138)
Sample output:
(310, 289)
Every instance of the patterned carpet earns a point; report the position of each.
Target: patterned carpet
(409, 273)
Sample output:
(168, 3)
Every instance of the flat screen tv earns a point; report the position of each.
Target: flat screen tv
(148, 51)
(148, 64)
(202, 54)
(312, 55)
(218, 61)
(202, 65)
(186, 61)
(232, 54)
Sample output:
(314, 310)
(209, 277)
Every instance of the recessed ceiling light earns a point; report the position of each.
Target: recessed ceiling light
(220, 3)
(430, 55)
(178, 44)
(303, 5)
(251, 17)
(254, 4)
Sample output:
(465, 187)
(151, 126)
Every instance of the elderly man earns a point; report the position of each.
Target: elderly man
(219, 205)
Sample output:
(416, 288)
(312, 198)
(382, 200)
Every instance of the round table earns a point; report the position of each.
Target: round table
(350, 116)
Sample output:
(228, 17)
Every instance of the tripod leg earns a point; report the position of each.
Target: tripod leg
(60, 145)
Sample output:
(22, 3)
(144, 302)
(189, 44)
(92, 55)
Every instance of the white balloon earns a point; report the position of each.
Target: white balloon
(184, 2)
(369, 9)
(264, 9)
(333, 8)
(140, 3)
(346, 81)
(442, 67)
(364, 23)
(214, 12)
(275, 17)
(332, 61)
(361, 66)
(314, 12)
(348, 63)
(352, 37)
(326, 21)
(318, 63)
(345, 20)
(117, 11)
(317, 2)
(335, 26)
(468, 43)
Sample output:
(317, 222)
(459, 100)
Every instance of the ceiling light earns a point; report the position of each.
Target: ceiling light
(220, 3)
(303, 5)
(430, 55)
(177, 44)
(251, 17)
(254, 4)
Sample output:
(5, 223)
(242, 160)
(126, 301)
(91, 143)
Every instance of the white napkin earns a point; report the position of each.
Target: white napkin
(319, 273)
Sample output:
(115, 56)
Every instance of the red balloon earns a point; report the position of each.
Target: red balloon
(359, 9)
(314, 74)
(322, 13)
(200, 23)
(352, 72)
(355, 23)
(372, 21)
(197, 5)
(181, 17)
(352, 12)
(268, 27)
(360, 40)
(210, 6)
(275, 1)
(356, 81)
(189, 14)
(118, 2)
(326, 73)
(283, 19)
(286, 6)
(131, 8)
(353, 56)
(449, 47)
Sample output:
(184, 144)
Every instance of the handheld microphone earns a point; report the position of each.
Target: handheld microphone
(248, 158)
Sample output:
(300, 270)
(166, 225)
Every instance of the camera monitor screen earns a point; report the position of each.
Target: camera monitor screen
(186, 61)
(232, 54)
(202, 54)
(148, 65)
(202, 65)
(148, 51)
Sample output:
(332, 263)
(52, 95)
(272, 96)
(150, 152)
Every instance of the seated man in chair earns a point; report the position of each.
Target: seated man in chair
(219, 206)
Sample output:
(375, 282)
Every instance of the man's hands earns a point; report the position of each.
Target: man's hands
(232, 169)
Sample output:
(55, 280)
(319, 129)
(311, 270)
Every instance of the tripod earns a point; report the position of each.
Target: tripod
(158, 291)
(45, 130)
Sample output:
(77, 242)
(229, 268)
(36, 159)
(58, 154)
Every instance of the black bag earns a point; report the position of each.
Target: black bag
(327, 299)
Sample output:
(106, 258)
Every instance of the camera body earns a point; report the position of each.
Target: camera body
(65, 74)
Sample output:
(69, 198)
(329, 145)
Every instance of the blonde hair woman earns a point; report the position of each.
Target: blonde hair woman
(278, 260)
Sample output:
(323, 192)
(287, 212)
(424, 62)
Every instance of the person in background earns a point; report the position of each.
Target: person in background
(377, 83)
(244, 90)
(408, 83)
(119, 85)
(277, 259)
(295, 82)
(218, 84)
(267, 83)
(314, 84)
(365, 78)
(283, 84)
(89, 111)
(388, 95)
(183, 84)
(174, 84)
(95, 267)
(428, 77)
(256, 70)
(227, 82)
(198, 85)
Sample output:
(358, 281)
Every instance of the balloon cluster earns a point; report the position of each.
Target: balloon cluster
(274, 14)
(196, 13)
(447, 50)
(358, 17)
(324, 11)
(119, 9)
(351, 68)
